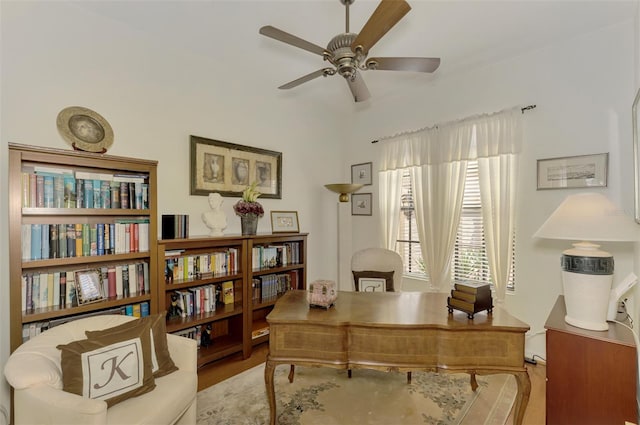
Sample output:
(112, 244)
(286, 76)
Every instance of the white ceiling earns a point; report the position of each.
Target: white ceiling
(464, 34)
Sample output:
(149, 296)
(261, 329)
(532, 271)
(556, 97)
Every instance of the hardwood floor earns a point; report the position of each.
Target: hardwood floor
(216, 372)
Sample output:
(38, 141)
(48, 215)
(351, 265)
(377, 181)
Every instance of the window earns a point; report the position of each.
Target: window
(408, 244)
(470, 260)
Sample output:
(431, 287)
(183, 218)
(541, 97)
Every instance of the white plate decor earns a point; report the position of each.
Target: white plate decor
(84, 129)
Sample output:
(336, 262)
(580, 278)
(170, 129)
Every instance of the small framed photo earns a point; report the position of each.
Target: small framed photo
(361, 203)
(88, 286)
(573, 172)
(284, 222)
(361, 174)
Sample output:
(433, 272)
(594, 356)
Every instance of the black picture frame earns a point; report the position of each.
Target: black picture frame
(361, 173)
(228, 168)
(571, 172)
(361, 203)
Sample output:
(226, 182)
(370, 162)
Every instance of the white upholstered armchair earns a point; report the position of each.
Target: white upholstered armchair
(379, 260)
(35, 373)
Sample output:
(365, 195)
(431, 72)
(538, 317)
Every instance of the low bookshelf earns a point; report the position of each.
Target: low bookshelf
(225, 287)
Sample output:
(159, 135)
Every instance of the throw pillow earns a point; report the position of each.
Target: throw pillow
(162, 364)
(112, 368)
(373, 281)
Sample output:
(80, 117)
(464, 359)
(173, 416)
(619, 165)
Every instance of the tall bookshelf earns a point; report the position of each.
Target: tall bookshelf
(198, 268)
(32, 208)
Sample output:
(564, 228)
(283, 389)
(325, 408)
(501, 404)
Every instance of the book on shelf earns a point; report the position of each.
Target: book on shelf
(191, 333)
(44, 288)
(30, 330)
(47, 194)
(42, 241)
(69, 193)
(175, 226)
(62, 240)
(44, 244)
(111, 281)
(88, 194)
(257, 333)
(227, 292)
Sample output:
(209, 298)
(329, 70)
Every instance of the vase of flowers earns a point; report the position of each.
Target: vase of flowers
(249, 210)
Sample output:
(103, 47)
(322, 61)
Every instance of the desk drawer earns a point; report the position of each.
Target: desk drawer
(310, 342)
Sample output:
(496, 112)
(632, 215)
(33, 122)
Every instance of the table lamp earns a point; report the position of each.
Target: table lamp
(587, 271)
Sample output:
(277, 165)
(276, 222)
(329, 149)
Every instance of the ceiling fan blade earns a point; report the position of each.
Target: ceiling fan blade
(386, 15)
(403, 64)
(291, 39)
(358, 88)
(308, 77)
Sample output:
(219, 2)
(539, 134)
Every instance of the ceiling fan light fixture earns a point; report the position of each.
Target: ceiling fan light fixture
(348, 51)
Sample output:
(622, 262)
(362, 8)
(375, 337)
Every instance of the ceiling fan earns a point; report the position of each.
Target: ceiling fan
(347, 52)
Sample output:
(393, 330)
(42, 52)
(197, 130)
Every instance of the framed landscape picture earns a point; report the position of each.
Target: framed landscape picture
(228, 169)
(573, 171)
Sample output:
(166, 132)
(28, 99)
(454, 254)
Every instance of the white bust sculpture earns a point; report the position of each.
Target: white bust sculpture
(216, 220)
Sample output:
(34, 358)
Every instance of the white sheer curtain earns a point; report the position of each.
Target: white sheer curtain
(389, 203)
(437, 160)
(438, 207)
(498, 140)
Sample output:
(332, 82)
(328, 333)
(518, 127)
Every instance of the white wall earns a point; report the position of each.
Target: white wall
(583, 89)
(154, 95)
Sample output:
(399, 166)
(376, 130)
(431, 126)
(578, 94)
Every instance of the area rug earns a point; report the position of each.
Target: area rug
(325, 396)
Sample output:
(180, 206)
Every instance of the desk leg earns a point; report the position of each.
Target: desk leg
(473, 382)
(269, 370)
(292, 370)
(522, 399)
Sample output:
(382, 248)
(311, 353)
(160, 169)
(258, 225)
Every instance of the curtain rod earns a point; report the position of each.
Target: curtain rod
(523, 109)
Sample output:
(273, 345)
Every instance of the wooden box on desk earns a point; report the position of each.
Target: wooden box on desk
(591, 375)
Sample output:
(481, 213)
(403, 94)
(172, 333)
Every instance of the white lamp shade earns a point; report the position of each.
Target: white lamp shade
(589, 217)
(587, 272)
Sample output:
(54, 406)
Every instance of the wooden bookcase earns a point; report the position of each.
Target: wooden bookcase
(227, 320)
(29, 160)
(232, 324)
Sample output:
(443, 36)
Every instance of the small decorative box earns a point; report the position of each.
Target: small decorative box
(322, 293)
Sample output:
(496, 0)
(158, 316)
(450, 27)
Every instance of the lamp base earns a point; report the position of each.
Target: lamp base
(587, 275)
(587, 300)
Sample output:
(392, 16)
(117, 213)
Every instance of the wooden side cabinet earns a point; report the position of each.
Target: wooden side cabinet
(591, 375)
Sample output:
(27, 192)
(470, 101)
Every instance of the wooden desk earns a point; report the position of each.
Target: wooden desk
(399, 331)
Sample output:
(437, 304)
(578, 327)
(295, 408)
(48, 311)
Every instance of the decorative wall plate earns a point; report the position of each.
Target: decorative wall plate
(85, 129)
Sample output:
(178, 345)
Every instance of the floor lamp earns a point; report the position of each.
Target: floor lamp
(587, 271)
(344, 231)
